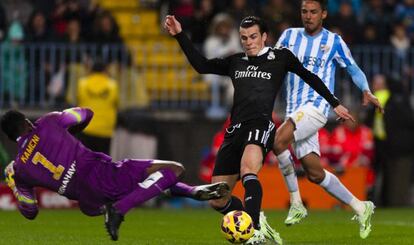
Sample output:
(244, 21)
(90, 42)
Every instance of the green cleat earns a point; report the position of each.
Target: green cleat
(364, 220)
(258, 238)
(297, 212)
(269, 233)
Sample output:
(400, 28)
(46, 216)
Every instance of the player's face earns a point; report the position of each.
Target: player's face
(251, 40)
(312, 16)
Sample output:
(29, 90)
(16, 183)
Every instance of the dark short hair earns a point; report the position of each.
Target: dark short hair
(13, 123)
(323, 3)
(250, 21)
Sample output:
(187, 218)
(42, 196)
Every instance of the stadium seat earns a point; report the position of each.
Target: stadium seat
(114, 5)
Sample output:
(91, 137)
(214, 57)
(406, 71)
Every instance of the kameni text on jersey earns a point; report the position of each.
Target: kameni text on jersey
(30, 147)
(252, 71)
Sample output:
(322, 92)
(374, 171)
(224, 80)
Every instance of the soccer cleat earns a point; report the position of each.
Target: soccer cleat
(268, 231)
(113, 221)
(365, 219)
(297, 212)
(211, 191)
(258, 238)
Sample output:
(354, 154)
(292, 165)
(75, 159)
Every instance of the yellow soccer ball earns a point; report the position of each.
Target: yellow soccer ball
(237, 226)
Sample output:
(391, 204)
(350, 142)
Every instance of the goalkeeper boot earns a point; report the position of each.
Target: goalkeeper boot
(268, 231)
(258, 238)
(113, 221)
(364, 219)
(297, 212)
(211, 191)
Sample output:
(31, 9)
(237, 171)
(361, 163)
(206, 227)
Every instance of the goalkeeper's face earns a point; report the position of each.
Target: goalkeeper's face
(312, 16)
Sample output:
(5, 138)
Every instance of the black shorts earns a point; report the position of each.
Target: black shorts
(260, 132)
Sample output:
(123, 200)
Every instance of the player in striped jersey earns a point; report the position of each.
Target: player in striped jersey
(320, 51)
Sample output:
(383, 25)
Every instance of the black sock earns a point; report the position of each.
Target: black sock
(253, 197)
(233, 204)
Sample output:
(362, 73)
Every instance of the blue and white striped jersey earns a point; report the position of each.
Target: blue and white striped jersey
(319, 54)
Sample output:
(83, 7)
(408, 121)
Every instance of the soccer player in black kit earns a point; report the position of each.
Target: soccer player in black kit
(257, 75)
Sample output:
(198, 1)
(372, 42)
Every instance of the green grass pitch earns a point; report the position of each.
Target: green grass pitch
(198, 227)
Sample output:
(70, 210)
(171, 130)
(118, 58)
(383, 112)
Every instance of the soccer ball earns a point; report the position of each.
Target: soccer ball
(237, 226)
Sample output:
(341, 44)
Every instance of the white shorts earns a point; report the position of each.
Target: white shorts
(308, 120)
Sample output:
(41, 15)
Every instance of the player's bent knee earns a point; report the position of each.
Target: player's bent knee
(177, 168)
(315, 178)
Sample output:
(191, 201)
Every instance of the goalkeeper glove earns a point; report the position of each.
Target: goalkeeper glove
(9, 174)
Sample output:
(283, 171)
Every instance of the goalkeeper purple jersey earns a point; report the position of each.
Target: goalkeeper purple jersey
(51, 157)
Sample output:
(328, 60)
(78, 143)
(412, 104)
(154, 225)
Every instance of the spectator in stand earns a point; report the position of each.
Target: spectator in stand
(335, 5)
(207, 164)
(352, 144)
(203, 15)
(66, 10)
(106, 30)
(404, 13)
(239, 9)
(39, 33)
(223, 41)
(58, 85)
(377, 123)
(369, 35)
(37, 29)
(99, 93)
(13, 65)
(346, 21)
(399, 129)
(374, 14)
(183, 10)
(400, 41)
(277, 11)
(106, 34)
(73, 33)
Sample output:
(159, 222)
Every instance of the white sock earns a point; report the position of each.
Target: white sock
(288, 171)
(295, 197)
(334, 187)
(357, 205)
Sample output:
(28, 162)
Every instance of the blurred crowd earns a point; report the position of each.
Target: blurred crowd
(67, 21)
(78, 21)
(359, 22)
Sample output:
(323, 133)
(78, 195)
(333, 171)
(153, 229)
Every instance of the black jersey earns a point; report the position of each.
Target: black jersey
(256, 80)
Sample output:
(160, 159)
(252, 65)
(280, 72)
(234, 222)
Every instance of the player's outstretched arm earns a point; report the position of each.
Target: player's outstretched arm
(343, 113)
(360, 80)
(75, 119)
(26, 198)
(200, 63)
(368, 97)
